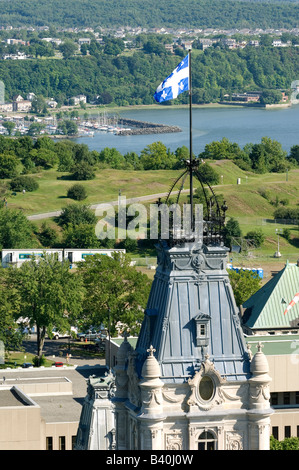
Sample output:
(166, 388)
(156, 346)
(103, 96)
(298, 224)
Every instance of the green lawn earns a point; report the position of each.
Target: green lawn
(244, 200)
(53, 186)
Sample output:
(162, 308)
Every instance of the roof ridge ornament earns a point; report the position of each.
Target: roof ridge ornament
(151, 350)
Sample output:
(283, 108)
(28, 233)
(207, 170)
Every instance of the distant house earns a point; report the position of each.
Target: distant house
(83, 41)
(78, 99)
(52, 103)
(19, 104)
(247, 97)
(30, 96)
(6, 107)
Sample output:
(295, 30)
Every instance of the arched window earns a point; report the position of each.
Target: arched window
(207, 441)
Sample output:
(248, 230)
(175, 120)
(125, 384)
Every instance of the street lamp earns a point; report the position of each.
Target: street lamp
(278, 232)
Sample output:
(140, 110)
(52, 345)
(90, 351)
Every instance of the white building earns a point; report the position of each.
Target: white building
(18, 257)
(75, 255)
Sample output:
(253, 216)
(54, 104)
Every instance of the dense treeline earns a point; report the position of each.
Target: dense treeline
(190, 13)
(25, 155)
(132, 79)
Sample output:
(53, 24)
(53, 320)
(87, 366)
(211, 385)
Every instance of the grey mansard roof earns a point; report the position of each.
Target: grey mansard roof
(191, 286)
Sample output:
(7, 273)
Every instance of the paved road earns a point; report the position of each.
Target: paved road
(133, 200)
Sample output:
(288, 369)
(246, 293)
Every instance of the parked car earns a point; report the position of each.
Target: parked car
(25, 365)
(57, 334)
(89, 335)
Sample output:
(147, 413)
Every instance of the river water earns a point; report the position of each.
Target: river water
(238, 124)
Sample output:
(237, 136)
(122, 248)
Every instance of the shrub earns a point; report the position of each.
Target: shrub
(83, 172)
(257, 236)
(77, 192)
(39, 361)
(286, 213)
(75, 214)
(23, 182)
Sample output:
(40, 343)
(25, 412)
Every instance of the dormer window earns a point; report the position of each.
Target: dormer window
(202, 329)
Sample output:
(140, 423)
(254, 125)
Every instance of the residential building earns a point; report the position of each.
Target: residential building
(247, 97)
(79, 99)
(19, 104)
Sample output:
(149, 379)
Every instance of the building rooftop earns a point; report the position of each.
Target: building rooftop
(63, 407)
(275, 344)
(265, 309)
(11, 398)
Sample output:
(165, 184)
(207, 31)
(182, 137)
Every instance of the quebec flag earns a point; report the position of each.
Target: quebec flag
(176, 83)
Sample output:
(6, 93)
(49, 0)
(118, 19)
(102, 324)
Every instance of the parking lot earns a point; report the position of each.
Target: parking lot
(57, 350)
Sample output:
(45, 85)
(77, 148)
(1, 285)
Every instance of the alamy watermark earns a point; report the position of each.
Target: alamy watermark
(137, 221)
(295, 92)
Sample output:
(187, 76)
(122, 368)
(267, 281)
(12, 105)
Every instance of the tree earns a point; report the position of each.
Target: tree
(47, 236)
(44, 157)
(68, 127)
(220, 150)
(16, 231)
(75, 214)
(257, 236)
(8, 165)
(48, 294)
(289, 443)
(35, 128)
(294, 153)
(115, 292)
(271, 97)
(9, 126)
(232, 229)
(244, 285)
(208, 175)
(268, 156)
(114, 46)
(68, 48)
(9, 332)
(39, 105)
(80, 236)
(156, 156)
(112, 158)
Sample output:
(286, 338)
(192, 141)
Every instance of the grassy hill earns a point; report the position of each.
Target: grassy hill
(246, 201)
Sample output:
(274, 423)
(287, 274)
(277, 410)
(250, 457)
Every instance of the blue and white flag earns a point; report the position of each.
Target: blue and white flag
(176, 83)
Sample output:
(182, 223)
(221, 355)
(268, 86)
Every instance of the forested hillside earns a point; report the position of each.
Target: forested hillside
(157, 13)
(132, 79)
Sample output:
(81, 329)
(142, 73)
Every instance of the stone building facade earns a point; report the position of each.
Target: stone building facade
(191, 383)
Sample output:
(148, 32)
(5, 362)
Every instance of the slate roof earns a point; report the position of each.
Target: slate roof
(265, 309)
(191, 282)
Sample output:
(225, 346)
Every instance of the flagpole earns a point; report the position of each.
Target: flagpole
(190, 143)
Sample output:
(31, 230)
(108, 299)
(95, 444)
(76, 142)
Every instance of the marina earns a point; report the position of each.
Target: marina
(131, 130)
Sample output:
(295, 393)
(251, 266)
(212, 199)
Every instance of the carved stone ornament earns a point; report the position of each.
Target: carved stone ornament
(174, 441)
(205, 387)
(234, 441)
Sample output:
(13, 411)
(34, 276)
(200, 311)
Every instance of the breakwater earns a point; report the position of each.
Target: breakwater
(144, 128)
